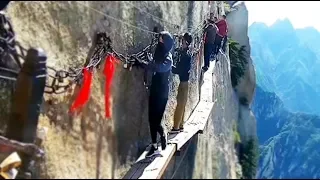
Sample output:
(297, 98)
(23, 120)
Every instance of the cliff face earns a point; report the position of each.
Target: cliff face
(90, 146)
(238, 30)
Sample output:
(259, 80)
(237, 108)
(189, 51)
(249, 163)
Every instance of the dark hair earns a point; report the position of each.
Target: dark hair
(224, 16)
(187, 36)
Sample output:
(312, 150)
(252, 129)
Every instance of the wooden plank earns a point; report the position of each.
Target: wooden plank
(191, 128)
(153, 167)
(207, 86)
(183, 137)
(27, 98)
(205, 115)
(25, 108)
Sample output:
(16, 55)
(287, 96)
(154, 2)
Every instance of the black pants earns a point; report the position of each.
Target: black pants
(208, 50)
(157, 106)
(217, 44)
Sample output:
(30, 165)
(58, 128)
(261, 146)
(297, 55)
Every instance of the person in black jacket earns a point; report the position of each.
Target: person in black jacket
(159, 90)
(210, 32)
(183, 70)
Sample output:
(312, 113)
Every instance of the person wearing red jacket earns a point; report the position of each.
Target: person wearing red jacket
(221, 34)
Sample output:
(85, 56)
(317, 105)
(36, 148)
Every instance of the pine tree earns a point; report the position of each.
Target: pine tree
(238, 61)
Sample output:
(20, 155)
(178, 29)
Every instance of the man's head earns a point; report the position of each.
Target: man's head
(186, 40)
(165, 44)
(166, 39)
(223, 17)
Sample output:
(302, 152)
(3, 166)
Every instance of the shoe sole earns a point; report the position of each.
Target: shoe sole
(154, 154)
(174, 132)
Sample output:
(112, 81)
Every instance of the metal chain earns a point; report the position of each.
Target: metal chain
(62, 80)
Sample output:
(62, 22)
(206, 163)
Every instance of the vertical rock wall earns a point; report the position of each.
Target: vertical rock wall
(238, 30)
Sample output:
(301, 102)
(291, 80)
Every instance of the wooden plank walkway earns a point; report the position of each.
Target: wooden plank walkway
(192, 126)
(151, 168)
(154, 167)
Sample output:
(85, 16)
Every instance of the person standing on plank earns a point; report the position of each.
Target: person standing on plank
(209, 40)
(159, 90)
(183, 70)
(222, 33)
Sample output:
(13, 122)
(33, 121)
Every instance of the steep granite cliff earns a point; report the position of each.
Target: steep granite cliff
(90, 146)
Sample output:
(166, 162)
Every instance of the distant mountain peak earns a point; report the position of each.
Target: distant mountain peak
(283, 24)
(259, 25)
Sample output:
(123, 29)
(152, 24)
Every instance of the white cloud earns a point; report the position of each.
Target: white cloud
(300, 13)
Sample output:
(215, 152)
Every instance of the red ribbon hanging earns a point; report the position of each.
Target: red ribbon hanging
(109, 69)
(84, 93)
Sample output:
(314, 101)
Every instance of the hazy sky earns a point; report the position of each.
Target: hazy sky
(300, 13)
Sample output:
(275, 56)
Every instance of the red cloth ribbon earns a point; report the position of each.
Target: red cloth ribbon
(84, 93)
(109, 69)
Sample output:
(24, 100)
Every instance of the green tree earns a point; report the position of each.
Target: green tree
(249, 157)
(238, 61)
(236, 134)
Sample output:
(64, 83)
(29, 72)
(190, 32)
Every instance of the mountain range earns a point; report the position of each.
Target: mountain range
(286, 104)
(289, 142)
(287, 62)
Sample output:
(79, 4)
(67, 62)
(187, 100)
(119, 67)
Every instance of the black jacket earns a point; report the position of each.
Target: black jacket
(183, 65)
(210, 32)
(161, 67)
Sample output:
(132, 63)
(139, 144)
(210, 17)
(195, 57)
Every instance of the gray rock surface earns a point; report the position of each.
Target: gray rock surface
(238, 30)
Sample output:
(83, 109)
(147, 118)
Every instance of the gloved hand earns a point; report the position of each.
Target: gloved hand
(174, 70)
(149, 57)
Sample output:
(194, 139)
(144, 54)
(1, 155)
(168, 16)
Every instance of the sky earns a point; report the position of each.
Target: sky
(300, 13)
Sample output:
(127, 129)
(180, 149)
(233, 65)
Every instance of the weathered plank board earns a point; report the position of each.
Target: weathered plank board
(191, 128)
(205, 115)
(207, 87)
(153, 167)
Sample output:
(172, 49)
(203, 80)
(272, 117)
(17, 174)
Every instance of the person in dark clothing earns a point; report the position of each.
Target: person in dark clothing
(183, 70)
(209, 40)
(159, 90)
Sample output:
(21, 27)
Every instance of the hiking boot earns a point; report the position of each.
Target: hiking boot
(164, 140)
(174, 131)
(153, 151)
